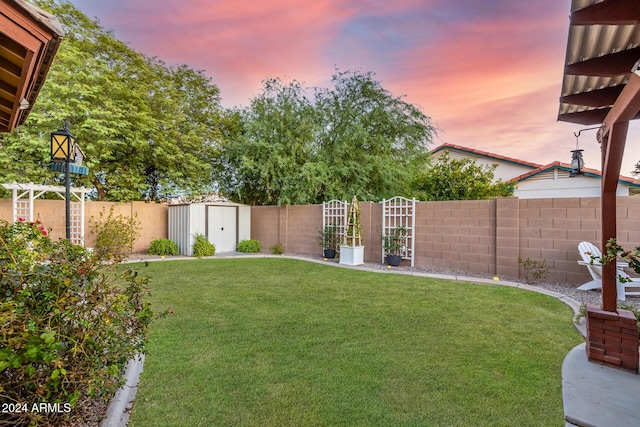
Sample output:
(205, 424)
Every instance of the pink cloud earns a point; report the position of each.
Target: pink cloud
(488, 73)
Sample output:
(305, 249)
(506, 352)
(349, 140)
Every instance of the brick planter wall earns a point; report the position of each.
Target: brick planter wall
(612, 338)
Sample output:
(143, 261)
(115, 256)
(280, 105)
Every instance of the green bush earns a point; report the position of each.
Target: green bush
(115, 235)
(248, 246)
(163, 247)
(68, 325)
(277, 249)
(534, 269)
(203, 247)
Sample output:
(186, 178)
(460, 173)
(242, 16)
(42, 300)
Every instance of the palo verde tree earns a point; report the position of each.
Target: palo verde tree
(459, 179)
(147, 130)
(355, 138)
(269, 157)
(371, 143)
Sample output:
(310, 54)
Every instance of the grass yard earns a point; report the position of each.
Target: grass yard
(278, 342)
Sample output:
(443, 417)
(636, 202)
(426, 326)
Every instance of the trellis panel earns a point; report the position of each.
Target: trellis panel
(334, 212)
(400, 212)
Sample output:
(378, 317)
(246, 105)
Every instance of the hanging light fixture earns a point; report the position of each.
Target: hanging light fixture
(577, 161)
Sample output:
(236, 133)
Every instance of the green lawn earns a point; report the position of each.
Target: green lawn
(278, 342)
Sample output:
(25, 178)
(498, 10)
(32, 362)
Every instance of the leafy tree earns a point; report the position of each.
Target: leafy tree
(371, 143)
(355, 138)
(269, 156)
(459, 179)
(147, 130)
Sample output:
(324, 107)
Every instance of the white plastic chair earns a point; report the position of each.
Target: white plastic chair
(586, 249)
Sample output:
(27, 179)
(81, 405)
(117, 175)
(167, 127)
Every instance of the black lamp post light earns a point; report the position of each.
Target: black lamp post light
(64, 156)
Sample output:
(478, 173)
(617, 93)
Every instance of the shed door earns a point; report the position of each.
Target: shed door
(221, 225)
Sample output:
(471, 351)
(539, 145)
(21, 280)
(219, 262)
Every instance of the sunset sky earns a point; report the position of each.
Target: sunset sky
(487, 73)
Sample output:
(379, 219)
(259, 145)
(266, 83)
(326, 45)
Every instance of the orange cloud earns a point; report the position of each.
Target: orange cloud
(488, 73)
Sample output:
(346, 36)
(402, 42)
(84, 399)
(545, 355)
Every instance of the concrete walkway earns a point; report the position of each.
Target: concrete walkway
(596, 395)
(593, 395)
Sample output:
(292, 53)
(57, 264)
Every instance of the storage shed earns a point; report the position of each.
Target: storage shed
(224, 224)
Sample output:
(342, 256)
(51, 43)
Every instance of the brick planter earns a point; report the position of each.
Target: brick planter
(612, 338)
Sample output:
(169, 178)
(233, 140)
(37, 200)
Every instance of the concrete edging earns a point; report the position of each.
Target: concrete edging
(118, 411)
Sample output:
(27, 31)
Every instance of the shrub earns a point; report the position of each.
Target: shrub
(202, 246)
(534, 269)
(163, 247)
(248, 246)
(68, 325)
(115, 235)
(277, 249)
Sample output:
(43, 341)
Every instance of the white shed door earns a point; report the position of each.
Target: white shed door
(221, 221)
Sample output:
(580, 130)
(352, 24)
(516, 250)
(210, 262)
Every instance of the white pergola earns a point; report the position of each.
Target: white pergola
(24, 196)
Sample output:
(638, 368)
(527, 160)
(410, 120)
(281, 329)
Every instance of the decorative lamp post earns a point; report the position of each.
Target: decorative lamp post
(63, 150)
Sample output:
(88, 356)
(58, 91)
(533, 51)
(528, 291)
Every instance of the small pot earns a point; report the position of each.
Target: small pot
(329, 253)
(394, 260)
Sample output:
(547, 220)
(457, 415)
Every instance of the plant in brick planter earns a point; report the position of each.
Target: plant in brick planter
(329, 239)
(394, 245)
(352, 251)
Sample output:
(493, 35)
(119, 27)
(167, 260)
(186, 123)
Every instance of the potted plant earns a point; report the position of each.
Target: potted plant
(329, 238)
(351, 250)
(394, 245)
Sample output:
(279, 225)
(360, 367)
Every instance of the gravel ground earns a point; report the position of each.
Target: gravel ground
(570, 290)
(592, 297)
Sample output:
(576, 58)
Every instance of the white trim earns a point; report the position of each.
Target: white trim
(77, 215)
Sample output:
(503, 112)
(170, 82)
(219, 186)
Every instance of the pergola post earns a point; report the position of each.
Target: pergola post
(612, 334)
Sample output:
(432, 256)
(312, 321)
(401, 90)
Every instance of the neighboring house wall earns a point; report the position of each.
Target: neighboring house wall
(504, 170)
(556, 183)
(538, 181)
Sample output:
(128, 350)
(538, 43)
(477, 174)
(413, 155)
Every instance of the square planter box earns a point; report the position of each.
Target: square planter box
(352, 255)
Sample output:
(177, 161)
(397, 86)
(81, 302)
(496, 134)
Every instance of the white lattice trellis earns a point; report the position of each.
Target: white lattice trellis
(334, 212)
(400, 212)
(24, 196)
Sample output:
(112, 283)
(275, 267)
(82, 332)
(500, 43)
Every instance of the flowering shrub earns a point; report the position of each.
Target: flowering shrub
(67, 325)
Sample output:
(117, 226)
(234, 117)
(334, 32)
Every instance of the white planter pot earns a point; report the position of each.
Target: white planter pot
(351, 255)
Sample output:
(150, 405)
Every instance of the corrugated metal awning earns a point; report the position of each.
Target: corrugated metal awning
(602, 48)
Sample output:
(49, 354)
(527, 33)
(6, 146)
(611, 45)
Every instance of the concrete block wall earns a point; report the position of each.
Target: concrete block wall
(456, 235)
(265, 226)
(153, 218)
(484, 236)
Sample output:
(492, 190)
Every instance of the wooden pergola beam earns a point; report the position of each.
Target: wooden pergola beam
(594, 98)
(608, 65)
(608, 12)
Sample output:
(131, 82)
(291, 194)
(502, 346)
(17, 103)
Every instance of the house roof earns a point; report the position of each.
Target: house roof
(631, 182)
(486, 154)
(602, 48)
(29, 40)
(536, 168)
